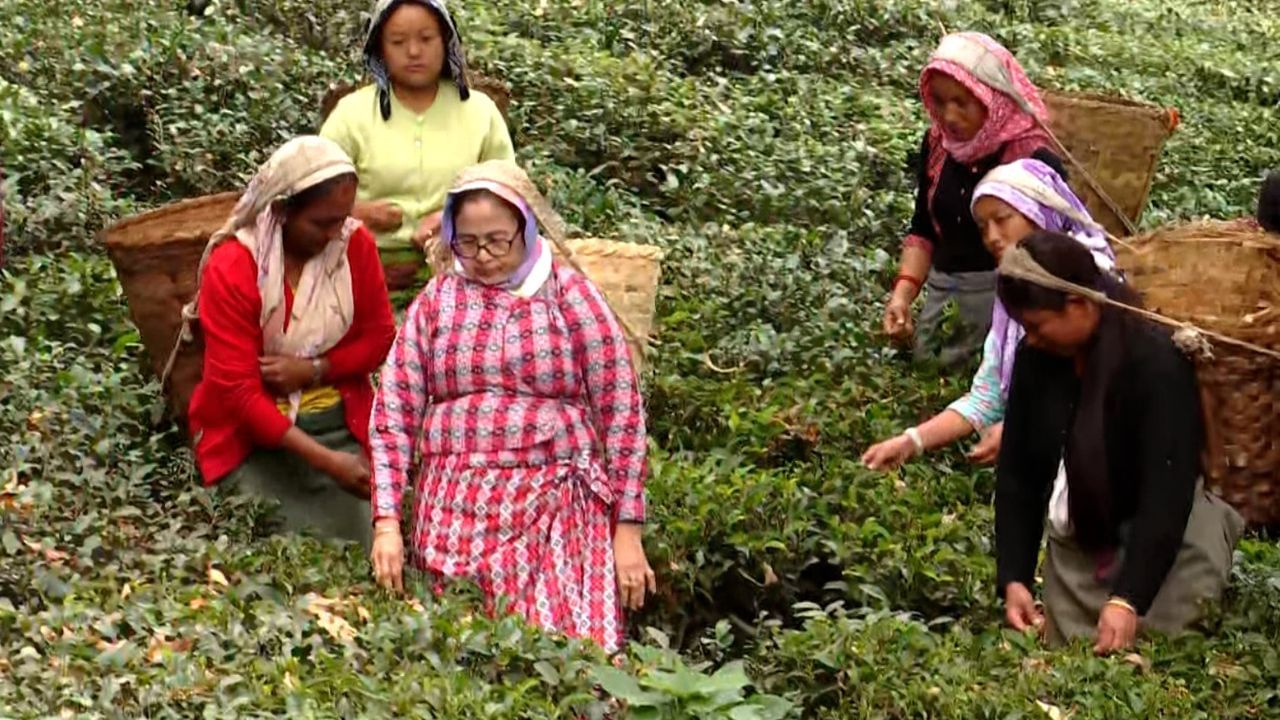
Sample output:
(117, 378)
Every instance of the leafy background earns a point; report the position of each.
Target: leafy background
(764, 145)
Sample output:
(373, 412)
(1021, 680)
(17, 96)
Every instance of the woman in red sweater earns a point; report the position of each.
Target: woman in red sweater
(295, 317)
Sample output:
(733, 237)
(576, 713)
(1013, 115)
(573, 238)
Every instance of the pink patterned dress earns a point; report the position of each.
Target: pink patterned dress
(524, 422)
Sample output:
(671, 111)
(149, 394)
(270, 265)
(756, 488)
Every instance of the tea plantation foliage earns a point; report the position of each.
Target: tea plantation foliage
(763, 144)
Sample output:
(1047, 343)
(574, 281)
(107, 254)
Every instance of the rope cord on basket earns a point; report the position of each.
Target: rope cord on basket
(189, 313)
(184, 337)
(1018, 263)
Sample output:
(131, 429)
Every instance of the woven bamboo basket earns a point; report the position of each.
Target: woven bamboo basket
(1119, 142)
(1225, 277)
(627, 274)
(497, 90)
(156, 255)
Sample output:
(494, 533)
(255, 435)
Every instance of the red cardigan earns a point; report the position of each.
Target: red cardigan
(231, 411)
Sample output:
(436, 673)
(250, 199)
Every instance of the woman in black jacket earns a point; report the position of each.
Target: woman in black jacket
(1106, 398)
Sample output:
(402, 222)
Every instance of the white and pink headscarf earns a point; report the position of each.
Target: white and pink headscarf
(997, 80)
(506, 180)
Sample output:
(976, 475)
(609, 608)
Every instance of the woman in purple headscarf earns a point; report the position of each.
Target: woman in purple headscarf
(1010, 203)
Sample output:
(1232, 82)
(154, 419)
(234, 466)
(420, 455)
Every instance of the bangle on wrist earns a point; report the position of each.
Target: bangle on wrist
(317, 370)
(913, 434)
(1122, 603)
(909, 279)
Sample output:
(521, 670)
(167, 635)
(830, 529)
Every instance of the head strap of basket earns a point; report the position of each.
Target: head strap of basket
(1017, 262)
(300, 163)
(966, 50)
(512, 176)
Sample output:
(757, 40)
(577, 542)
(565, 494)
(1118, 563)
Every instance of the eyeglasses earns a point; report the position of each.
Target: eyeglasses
(469, 248)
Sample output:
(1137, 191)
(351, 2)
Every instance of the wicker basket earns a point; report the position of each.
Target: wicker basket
(156, 255)
(1119, 142)
(627, 274)
(497, 90)
(1225, 277)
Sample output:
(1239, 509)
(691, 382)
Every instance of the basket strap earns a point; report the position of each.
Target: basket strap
(1129, 226)
(189, 315)
(1189, 338)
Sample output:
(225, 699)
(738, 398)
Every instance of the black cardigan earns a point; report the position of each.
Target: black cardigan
(960, 248)
(1153, 445)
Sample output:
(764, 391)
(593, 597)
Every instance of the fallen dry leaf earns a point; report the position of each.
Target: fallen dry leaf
(1053, 711)
(52, 555)
(363, 614)
(322, 609)
(217, 578)
(770, 577)
(48, 634)
(126, 591)
(104, 646)
(159, 646)
(1136, 660)
(9, 494)
(1035, 664)
(197, 603)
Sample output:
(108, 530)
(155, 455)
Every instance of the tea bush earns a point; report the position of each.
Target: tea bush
(764, 145)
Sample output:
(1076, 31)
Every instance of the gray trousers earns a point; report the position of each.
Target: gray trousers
(1073, 597)
(955, 344)
(309, 500)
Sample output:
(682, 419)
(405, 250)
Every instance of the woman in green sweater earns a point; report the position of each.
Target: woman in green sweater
(412, 130)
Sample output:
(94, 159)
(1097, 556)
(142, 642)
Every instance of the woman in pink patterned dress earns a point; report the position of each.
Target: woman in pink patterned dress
(510, 392)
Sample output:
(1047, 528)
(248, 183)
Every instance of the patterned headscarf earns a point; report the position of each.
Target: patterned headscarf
(995, 78)
(1043, 197)
(455, 61)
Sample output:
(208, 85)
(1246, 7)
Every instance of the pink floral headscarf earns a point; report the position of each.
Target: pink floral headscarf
(981, 64)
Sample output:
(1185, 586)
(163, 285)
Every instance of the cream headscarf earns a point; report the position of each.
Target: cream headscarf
(323, 306)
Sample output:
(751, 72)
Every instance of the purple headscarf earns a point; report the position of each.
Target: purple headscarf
(1043, 197)
(534, 246)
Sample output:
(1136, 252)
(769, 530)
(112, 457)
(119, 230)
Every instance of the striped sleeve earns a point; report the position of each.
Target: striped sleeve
(983, 405)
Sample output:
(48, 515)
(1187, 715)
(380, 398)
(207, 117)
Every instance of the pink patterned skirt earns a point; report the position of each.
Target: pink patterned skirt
(541, 537)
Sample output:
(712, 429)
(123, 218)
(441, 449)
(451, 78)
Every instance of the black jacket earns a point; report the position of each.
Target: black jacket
(1154, 437)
